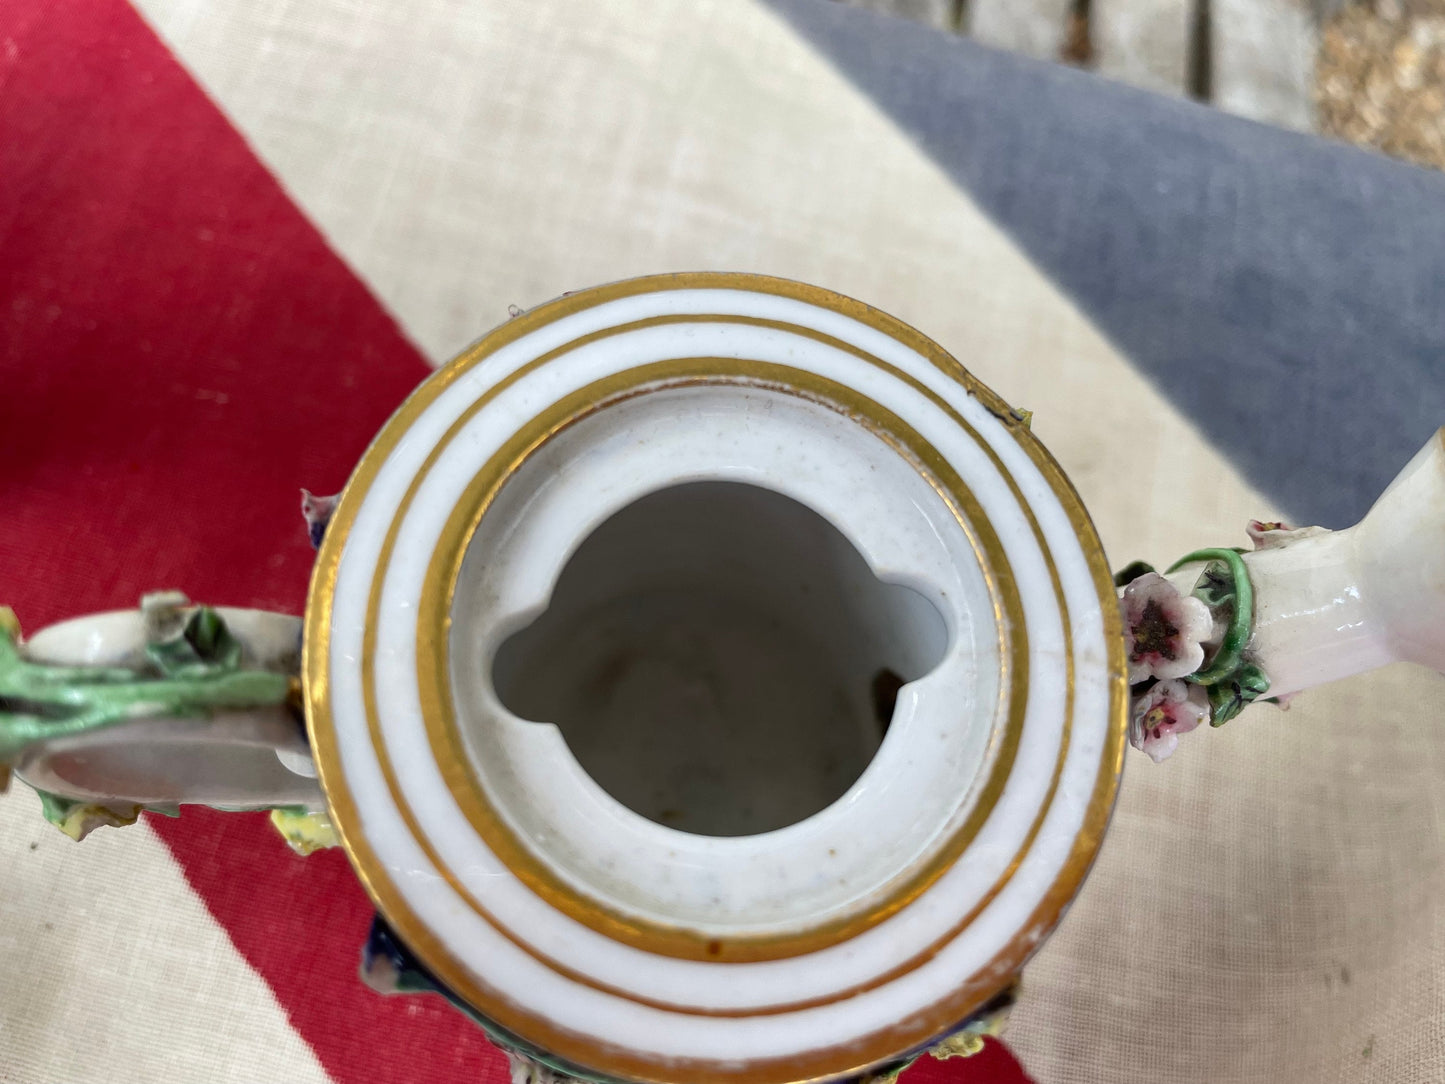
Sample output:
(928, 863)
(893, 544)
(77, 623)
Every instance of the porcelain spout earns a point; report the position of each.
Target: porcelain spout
(1304, 607)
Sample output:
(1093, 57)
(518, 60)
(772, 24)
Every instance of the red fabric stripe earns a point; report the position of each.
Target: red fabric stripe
(179, 350)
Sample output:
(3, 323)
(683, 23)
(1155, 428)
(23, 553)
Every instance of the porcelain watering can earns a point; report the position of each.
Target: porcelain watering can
(709, 680)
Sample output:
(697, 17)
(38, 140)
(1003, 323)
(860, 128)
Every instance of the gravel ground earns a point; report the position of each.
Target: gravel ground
(1380, 81)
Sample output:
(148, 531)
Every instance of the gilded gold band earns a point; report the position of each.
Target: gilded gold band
(431, 628)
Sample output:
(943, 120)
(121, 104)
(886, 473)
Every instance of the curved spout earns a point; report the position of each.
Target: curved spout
(1305, 607)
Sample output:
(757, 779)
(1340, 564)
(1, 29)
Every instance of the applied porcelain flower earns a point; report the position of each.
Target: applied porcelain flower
(1164, 630)
(1163, 712)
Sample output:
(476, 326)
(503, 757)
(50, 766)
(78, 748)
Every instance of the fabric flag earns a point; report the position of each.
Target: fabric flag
(233, 237)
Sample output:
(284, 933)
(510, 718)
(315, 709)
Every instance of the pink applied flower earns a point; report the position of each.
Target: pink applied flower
(1164, 631)
(1163, 712)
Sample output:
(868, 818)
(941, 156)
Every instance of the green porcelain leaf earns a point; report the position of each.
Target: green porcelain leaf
(1229, 697)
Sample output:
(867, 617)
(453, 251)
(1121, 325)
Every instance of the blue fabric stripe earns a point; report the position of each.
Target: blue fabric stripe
(1286, 293)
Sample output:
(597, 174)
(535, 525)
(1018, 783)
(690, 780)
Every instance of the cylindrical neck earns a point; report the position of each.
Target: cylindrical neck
(1313, 620)
(1330, 604)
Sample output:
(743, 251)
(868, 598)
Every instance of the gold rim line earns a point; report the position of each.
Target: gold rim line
(480, 909)
(494, 829)
(569, 973)
(519, 858)
(1089, 838)
(927, 951)
(769, 1071)
(1046, 915)
(594, 404)
(919, 957)
(454, 759)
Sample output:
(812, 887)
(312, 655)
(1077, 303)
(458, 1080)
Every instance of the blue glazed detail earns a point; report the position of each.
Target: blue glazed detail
(389, 967)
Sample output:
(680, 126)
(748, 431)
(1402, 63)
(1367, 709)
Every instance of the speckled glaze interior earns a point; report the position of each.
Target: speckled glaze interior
(693, 519)
(717, 656)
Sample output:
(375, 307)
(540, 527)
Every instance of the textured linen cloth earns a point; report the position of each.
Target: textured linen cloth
(232, 237)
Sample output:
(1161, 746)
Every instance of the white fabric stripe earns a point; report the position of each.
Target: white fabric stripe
(115, 970)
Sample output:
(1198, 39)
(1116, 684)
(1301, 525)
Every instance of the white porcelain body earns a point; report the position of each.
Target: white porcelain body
(622, 945)
(710, 681)
(795, 524)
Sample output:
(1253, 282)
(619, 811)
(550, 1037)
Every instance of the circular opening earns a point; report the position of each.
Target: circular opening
(720, 658)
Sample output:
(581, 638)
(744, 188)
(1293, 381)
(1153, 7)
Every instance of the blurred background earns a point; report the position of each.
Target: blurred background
(1371, 72)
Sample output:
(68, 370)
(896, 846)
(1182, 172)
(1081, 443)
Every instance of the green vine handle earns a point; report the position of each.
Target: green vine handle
(197, 671)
